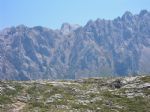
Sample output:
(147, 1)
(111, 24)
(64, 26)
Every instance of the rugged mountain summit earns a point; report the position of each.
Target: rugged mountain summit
(102, 47)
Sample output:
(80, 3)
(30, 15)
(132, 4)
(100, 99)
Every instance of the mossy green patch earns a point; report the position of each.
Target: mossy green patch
(5, 99)
(146, 79)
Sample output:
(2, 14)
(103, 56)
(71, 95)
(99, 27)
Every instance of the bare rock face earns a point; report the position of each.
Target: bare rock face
(102, 47)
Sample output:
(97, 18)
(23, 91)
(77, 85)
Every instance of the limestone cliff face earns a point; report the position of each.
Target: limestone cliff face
(102, 47)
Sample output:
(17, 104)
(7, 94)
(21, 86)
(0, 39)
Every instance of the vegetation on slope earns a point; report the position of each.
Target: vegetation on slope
(129, 94)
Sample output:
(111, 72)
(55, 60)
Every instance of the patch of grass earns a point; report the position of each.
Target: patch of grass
(60, 102)
(38, 89)
(80, 106)
(146, 79)
(92, 95)
(37, 104)
(9, 92)
(107, 94)
(5, 99)
(32, 90)
(56, 90)
(136, 104)
(146, 91)
(18, 87)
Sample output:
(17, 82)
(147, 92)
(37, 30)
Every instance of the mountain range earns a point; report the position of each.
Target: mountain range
(102, 47)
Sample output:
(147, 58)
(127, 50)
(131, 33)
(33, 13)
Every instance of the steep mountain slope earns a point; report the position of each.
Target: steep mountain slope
(102, 47)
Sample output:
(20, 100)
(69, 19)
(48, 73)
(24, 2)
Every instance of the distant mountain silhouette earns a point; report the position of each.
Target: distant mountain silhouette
(116, 47)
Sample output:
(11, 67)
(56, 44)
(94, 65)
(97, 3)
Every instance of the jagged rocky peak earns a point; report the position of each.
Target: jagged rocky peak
(143, 12)
(40, 28)
(66, 28)
(89, 26)
(127, 15)
(99, 48)
(21, 26)
(89, 23)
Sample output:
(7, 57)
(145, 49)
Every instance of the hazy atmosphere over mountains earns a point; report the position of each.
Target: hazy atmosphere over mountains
(101, 47)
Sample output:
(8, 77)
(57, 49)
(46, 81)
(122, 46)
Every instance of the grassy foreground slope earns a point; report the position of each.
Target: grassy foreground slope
(128, 94)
